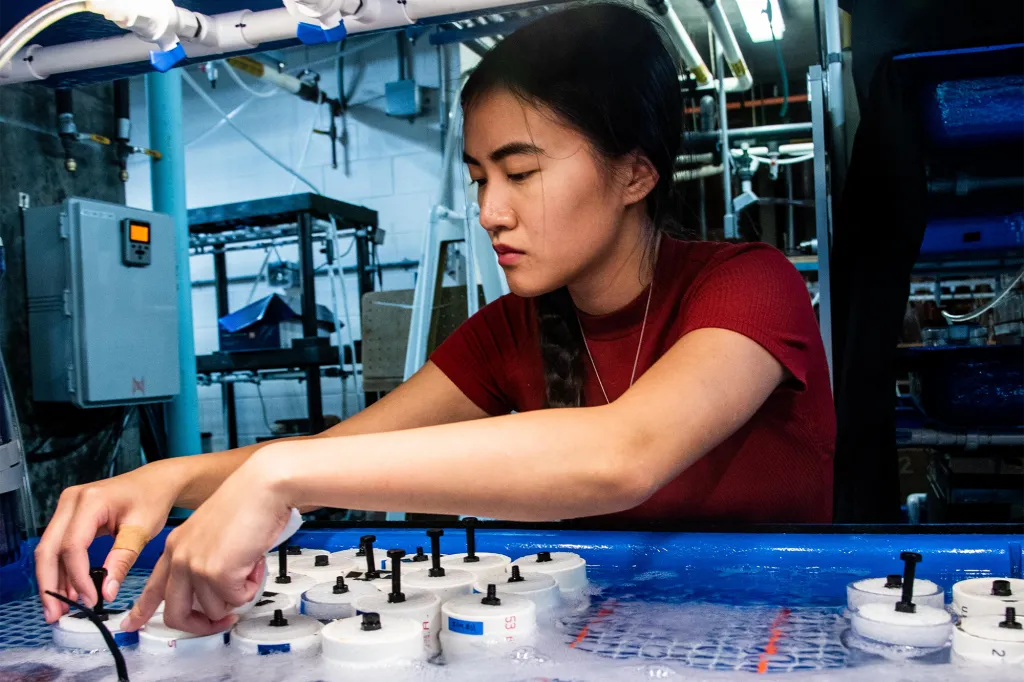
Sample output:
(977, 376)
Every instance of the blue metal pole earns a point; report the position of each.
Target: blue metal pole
(164, 103)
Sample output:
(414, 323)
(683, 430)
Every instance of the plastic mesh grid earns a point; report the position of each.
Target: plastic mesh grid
(757, 639)
(22, 624)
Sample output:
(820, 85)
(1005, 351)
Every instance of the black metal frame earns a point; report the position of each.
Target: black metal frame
(311, 353)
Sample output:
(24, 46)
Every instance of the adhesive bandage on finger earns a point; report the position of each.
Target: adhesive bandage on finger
(131, 538)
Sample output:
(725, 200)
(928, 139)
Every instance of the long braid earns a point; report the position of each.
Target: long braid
(561, 349)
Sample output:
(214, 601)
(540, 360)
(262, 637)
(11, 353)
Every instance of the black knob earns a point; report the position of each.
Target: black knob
(1011, 619)
(321, 560)
(371, 622)
(278, 621)
(471, 557)
(396, 596)
(420, 556)
(294, 550)
(366, 542)
(282, 565)
(1001, 588)
(906, 602)
(435, 570)
(339, 585)
(543, 557)
(98, 575)
(517, 576)
(894, 581)
(492, 596)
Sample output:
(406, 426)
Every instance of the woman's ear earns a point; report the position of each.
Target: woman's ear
(642, 178)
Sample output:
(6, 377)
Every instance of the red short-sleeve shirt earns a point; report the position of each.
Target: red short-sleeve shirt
(775, 468)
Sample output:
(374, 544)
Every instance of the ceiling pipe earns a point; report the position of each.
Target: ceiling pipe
(681, 40)
(221, 34)
(727, 40)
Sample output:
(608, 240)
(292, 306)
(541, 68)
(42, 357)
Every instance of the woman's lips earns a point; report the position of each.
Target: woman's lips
(507, 255)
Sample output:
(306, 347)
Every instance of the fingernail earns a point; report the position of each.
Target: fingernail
(110, 591)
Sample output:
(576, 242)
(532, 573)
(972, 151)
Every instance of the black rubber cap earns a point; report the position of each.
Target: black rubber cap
(371, 622)
(98, 575)
(278, 621)
(294, 550)
(420, 556)
(543, 557)
(471, 557)
(322, 560)
(1011, 620)
(339, 585)
(906, 607)
(1001, 588)
(435, 571)
(283, 580)
(517, 576)
(492, 596)
(894, 581)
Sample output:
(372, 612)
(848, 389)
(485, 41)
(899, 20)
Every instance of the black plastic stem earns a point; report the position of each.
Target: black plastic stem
(115, 651)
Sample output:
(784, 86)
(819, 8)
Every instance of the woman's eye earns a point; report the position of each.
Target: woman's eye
(479, 182)
(519, 177)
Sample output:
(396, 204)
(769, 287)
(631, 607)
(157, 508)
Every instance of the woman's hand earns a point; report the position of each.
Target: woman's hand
(133, 507)
(215, 558)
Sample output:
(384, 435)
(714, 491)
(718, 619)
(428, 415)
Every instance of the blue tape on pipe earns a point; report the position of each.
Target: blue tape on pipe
(165, 61)
(265, 649)
(310, 34)
(465, 627)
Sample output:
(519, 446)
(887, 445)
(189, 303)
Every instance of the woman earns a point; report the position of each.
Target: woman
(681, 379)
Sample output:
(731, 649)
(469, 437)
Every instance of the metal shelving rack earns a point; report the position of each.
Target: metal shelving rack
(287, 219)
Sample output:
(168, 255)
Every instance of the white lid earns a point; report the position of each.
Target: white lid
(974, 597)
(299, 584)
(323, 574)
(417, 602)
(453, 577)
(269, 602)
(77, 622)
(987, 627)
(470, 616)
(408, 565)
(260, 629)
(307, 563)
(567, 568)
(398, 639)
(324, 593)
(304, 552)
(531, 583)
(877, 586)
(159, 630)
(156, 637)
(923, 616)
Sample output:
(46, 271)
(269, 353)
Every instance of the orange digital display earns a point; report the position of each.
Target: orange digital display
(138, 232)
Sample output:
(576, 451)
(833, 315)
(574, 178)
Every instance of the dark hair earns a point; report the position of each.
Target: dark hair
(605, 70)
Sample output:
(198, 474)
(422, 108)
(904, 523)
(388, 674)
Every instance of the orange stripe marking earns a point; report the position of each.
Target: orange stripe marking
(606, 610)
(771, 649)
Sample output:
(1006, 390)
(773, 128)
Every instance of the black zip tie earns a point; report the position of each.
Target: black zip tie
(115, 651)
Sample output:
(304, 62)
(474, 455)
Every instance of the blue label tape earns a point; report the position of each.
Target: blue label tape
(465, 627)
(264, 649)
(126, 638)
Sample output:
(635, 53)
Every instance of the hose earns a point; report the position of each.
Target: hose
(242, 84)
(213, 105)
(967, 317)
(32, 25)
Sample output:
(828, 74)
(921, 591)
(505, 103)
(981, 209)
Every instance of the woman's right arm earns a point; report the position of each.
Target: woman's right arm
(134, 506)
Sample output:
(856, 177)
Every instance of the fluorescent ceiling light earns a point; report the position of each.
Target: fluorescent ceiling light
(756, 19)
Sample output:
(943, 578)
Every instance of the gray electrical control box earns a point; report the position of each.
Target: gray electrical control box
(102, 304)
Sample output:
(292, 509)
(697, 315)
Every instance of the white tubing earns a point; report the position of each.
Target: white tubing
(32, 25)
(731, 49)
(681, 39)
(252, 91)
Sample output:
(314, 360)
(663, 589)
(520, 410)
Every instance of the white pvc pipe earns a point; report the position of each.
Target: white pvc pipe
(681, 39)
(229, 32)
(731, 48)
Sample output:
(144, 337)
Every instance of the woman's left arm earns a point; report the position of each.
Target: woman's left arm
(533, 466)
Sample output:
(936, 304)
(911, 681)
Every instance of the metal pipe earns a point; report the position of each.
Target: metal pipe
(728, 219)
(164, 103)
(227, 391)
(698, 141)
(696, 173)
(703, 210)
(727, 43)
(823, 227)
(790, 210)
(968, 441)
(834, 94)
(314, 399)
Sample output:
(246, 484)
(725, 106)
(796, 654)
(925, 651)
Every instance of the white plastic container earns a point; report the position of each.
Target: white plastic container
(329, 601)
(271, 601)
(489, 566)
(539, 588)
(976, 597)
(567, 568)
(322, 568)
(156, 638)
(297, 555)
(372, 641)
(981, 640)
(926, 628)
(411, 562)
(454, 583)
(296, 585)
(419, 605)
(887, 591)
(478, 627)
(295, 634)
(75, 631)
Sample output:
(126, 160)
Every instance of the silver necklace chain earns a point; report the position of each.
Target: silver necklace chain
(639, 345)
